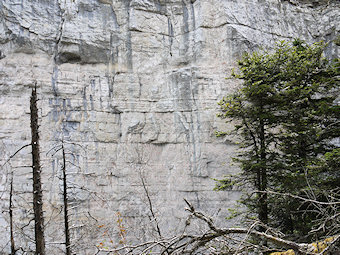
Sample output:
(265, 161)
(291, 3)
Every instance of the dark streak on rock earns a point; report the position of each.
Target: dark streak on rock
(185, 28)
(114, 17)
(54, 80)
(128, 38)
(140, 88)
(85, 102)
(171, 35)
(193, 20)
(110, 82)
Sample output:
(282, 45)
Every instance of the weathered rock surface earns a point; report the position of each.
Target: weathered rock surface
(131, 86)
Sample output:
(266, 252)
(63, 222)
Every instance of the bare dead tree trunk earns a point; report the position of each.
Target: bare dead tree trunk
(262, 182)
(37, 190)
(11, 216)
(66, 220)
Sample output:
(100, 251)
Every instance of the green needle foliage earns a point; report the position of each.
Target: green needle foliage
(286, 117)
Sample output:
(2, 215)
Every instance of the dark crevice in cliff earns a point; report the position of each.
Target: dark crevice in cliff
(54, 80)
(114, 17)
(214, 27)
(58, 38)
(134, 29)
(243, 25)
(150, 11)
(193, 19)
(59, 34)
(152, 33)
(114, 40)
(185, 29)
(85, 102)
(114, 49)
(110, 82)
(311, 3)
(140, 87)
(152, 7)
(170, 35)
(128, 38)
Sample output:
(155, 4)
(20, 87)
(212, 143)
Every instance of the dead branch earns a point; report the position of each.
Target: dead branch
(13, 250)
(298, 248)
(307, 200)
(65, 200)
(197, 243)
(15, 153)
(150, 206)
(330, 245)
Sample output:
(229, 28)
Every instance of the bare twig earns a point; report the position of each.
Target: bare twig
(330, 245)
(150, 206)
(15, 153)
(299, 198)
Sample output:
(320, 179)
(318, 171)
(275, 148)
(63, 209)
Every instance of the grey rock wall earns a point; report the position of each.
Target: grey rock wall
(131, 88)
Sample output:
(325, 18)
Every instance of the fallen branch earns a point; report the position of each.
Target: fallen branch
(302, 248)
(196, 244)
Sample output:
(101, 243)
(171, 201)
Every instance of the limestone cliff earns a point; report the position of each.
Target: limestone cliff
(131, 88)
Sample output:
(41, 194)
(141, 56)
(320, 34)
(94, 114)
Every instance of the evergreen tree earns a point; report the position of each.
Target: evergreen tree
(286, 117)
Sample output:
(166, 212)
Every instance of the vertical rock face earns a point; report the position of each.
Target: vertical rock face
(130, 87)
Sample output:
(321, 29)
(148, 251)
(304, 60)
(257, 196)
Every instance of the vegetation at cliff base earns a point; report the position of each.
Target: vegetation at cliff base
(286, 116)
